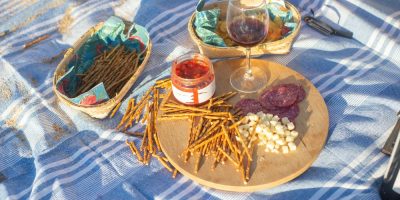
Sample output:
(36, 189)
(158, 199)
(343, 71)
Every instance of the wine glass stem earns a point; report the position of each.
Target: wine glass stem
(249, 73)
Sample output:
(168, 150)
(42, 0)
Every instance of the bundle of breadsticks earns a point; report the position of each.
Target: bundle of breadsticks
(113, 68)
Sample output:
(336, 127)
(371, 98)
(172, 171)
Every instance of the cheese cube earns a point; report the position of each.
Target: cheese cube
(279, 129)
(254, 118)
(290, 126)
(260, 114)
(292, 146)
(289, 138)
(273, 123)
(251, 129)
(259, 128)
(275, 118)
(294, 134)
(245, 134)
(263, 119)
(275, 137)
(280, 141)
(269, 116)
(244, 127)
(285, 149)
(285, 120)
(252, 123)
(287, 133)
(270, 145)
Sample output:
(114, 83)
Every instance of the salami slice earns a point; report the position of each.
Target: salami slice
(283, 95)
(290, 112)
(301, 95)
(249, 106)
(265, 101)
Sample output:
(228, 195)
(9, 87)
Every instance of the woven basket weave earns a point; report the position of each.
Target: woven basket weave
(103, 109)
(282, 46)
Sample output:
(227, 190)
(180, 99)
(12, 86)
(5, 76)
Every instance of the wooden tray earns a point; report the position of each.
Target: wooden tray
(268, 169)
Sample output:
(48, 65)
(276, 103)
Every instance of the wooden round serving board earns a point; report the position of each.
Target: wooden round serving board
(268, 169)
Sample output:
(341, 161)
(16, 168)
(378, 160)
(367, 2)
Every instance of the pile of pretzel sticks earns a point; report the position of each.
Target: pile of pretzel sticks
(114, 68)
(214, 130)
(214, 134)
(145, 111)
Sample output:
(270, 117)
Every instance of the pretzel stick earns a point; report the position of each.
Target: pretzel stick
(174, 173)
(165, 164)
(115, 110)
(35, 41)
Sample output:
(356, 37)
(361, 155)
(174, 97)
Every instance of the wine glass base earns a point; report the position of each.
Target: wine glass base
(242, 83)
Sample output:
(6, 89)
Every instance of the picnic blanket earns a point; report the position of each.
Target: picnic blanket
(50, 151)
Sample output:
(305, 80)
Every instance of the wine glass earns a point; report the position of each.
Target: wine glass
(247, 23)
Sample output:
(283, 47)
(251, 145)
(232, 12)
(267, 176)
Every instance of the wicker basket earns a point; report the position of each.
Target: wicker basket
(103, 109)
(282, 46)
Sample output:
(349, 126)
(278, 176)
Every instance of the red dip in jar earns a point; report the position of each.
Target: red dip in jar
(193, 80)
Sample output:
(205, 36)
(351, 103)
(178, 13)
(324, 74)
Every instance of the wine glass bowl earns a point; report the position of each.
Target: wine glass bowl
(247, 24)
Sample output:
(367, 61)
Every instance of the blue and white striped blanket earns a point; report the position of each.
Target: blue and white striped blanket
(49, 151)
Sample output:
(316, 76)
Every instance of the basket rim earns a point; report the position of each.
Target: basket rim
(73, 49)
(289, 37)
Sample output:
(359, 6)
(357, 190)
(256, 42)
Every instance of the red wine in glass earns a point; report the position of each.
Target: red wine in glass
(247, 23)
(247, 31)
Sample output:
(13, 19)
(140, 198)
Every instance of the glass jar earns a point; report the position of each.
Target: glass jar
(193, 79)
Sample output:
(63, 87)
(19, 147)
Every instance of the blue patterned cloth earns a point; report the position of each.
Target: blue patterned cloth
(49, 151)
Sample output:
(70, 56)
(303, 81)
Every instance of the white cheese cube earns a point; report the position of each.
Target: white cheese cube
(289, 138)
(254, 118)
(285, 149)
(280, 141)
(243, 132)
(275, 137)
(260, 114)
(292, 146)
(273, 123)
(269, 116)
(270, 145)
(263, 119)
(285, 120)
(279, 129)
(275, 118)
(290, 126)
(287, 133)
(244, 127)
(250, 114)
(259, 129)
(294, 134)
(252, 123)
(251, 129)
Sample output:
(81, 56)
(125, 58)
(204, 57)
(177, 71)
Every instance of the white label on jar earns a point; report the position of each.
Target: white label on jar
(195, 96)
